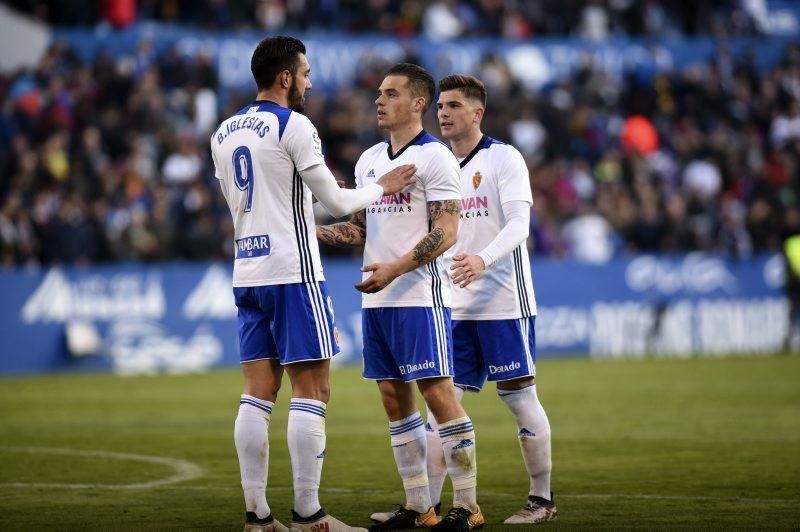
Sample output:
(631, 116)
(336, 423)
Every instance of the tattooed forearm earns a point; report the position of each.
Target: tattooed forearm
(345, 234)
(437, 208)
(427, 249)
(348, 234)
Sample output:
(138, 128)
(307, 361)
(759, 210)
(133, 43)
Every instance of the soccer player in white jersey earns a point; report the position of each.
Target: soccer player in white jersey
(269, 161)
(406, 302)
(494, 308)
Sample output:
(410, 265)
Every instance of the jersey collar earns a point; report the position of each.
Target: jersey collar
(484, 142)
(400, 152)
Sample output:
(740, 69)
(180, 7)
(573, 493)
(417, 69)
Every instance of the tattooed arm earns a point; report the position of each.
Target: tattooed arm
(444, 216)
(352, 233)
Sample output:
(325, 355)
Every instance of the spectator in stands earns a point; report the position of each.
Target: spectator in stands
(106, 159)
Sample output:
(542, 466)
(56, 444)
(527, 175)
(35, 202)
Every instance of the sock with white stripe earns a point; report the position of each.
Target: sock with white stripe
(437, 467)
(458, 443)
(410, 450)
(251, 435)
(534, 436)
(306, 437)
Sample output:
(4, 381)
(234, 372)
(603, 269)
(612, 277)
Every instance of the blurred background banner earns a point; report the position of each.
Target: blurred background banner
(337, 60)
(180, 317)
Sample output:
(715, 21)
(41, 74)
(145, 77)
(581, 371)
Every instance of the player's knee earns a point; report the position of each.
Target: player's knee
(323, 392)
(392, 406)
(265, 391)
(516, 384)
(318, 391)
(397, 403)
(442, 401)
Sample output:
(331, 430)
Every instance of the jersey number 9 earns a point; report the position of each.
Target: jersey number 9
(243, 172)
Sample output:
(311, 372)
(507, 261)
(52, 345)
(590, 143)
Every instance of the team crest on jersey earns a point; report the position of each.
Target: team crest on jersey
(336, 335)
(476, 180)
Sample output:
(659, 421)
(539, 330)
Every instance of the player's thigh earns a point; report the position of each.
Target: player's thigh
(303, 325)
(509, 348)
(469, 368)
(378, 361)
(254, 325)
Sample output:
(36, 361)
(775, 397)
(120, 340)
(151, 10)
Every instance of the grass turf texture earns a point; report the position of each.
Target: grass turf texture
(694, 443)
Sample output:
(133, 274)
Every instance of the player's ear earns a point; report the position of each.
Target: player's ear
(478, 115)
(419, 104)
(285, 79)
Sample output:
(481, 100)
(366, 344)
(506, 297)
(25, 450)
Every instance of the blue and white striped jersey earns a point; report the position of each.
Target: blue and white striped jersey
(258, 154)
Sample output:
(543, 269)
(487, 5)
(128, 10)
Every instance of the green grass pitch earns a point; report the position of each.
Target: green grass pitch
(657, 443)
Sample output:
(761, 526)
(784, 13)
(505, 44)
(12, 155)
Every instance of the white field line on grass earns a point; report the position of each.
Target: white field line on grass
(184, 470)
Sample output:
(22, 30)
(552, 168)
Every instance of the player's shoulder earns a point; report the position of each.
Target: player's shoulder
(499, 151)
(375, 149)
(430, 148)
(493, 145)
(287, 119)
(369, 156)
(426, 142)
(426, 139)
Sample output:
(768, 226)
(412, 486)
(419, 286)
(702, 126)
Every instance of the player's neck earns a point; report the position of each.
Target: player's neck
(463, 146)
(401, 136)
(278, 96)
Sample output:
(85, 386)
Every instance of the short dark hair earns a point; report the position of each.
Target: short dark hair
(272, 56)
(470, 86)
(420, 82)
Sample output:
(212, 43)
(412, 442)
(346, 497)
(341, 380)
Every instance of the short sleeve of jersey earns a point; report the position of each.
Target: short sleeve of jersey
(442, 178)
(302, 142)
(359, 170)
(512, 175)
(214, 160)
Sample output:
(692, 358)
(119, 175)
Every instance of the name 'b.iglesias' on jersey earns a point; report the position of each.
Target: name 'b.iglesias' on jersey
(274, 226)
(492, 174)
(396, 223)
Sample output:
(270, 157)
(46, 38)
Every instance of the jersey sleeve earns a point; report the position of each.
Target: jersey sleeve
(302, 142)
(359, 170)
(512, 176)
(217, 172)
(441, 176)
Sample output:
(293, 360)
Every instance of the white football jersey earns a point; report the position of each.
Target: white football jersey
(492, 174)
(395, 224)
(258, 154)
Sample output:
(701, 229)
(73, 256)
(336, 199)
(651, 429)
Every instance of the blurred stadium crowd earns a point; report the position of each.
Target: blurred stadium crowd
(108, 160)
(436, 19)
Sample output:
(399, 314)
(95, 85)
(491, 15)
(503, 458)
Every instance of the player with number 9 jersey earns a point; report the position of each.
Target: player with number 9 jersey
(258, 154)
(268, 159)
